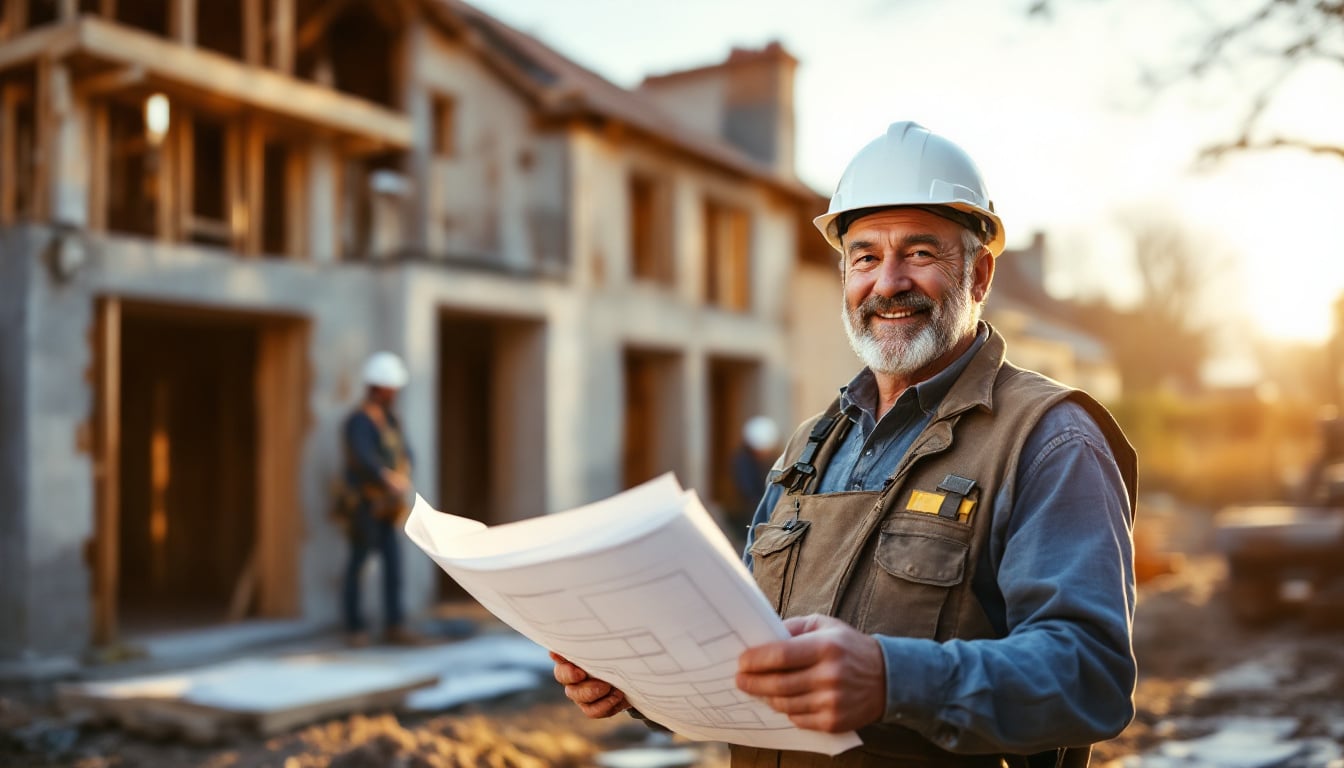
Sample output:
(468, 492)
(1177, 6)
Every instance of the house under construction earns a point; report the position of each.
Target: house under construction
(212, 212)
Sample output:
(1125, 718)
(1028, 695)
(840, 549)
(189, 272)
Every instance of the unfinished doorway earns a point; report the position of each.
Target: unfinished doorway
(734, 397)
(654, 436)
(199, 418)
(492, 420)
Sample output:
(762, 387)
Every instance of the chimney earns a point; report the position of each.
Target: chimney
(747, 101)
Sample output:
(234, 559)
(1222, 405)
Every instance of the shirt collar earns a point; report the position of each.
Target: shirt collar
(860, 394)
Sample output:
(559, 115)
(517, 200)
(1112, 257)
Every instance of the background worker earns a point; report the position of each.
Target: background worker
(377, 484)
(950, 541)
(750, 467)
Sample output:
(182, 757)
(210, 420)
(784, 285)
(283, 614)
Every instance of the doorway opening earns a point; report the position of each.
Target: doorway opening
(654, 439)
(200, 418)
(492, 420)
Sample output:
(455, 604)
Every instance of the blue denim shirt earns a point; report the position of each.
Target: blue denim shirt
(1056, 581)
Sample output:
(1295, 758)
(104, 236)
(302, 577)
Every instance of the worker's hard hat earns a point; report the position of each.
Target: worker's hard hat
(385, 369)
(911, 165)
(760, 433)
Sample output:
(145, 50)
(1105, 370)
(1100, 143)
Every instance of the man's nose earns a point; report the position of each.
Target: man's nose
(893, 277)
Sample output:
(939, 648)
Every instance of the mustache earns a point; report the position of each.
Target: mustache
(910, 300)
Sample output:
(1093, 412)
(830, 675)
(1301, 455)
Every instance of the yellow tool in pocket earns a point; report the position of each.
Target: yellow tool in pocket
(929, 503)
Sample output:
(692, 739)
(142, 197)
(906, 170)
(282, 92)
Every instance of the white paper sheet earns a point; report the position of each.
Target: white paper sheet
(641, 590)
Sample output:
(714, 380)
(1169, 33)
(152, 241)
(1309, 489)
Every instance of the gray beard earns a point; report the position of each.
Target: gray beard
(900, 353)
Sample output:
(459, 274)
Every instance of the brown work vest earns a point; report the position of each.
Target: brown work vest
(901, 561)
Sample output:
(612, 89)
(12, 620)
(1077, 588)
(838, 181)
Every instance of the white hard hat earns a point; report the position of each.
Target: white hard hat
(385, 369)
(760, 433)
(911, 165)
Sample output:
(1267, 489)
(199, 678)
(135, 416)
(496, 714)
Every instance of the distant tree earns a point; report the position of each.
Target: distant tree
(1286, 35)
(1163, 340)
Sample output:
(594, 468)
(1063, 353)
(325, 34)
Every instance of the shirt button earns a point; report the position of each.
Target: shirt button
(868, 452)
(856, 487)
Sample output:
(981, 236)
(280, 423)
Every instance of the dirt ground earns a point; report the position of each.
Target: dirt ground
(1183, 635)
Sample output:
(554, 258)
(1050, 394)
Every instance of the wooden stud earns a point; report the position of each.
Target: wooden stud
(165, 210)
(108, 9)
(282, 36)
(15, 18)
(69, 9)
(280, 420)
(186, 172)
(234, 194)
(100, 161)
(107, 471)
(9, 148)
(254, 41)
(182, 22)
(44, 139)
(254, 184)
(296, 204)
(111, 81)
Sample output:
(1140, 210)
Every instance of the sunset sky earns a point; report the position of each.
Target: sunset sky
(1054, 112)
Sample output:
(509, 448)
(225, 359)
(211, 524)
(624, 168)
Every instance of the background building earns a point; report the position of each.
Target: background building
(212, 212)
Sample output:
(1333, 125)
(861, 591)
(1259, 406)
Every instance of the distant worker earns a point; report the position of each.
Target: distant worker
(377, 484)
(750, 467)
(950, 541)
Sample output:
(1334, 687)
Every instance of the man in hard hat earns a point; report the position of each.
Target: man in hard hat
(750, 465)
(377, 483)
(950, 541)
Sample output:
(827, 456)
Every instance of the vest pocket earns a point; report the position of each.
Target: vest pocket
(774, 558)
(916, 572)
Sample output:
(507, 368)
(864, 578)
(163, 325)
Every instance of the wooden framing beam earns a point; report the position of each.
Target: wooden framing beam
(44, 139)
(51, 42)
(111, 81)
(9, 151)
(254, 86)
(254, 39)
(68, 9)
(296, 203)
(182, 22)
(107, 470)
(15, 19)
(282, 36)
(99, 163)
(254, 185)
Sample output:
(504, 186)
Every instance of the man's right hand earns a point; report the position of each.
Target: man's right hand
(597, 698)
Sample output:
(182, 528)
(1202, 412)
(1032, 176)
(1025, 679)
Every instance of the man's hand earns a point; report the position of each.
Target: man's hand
(396, 481)
(827, 677)
(597, 698)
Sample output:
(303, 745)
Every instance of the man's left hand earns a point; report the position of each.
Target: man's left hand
(827, 677)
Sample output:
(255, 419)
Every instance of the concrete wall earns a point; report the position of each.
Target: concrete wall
(14, 430)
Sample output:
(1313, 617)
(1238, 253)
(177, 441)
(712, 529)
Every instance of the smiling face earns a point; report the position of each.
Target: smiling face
(911, 297)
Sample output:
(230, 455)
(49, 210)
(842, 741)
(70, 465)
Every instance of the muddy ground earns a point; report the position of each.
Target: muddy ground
(1200, 672)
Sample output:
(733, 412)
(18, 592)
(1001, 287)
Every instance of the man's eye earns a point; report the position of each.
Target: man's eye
(864, 258)
(922, 255)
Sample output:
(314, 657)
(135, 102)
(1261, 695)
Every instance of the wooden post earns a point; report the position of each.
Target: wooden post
(182, 22)
(44, 140)
(9, 148)
(107, 470)
(165, 204)
(15, 19)
(296, 203)
(107, 9)
(281, 416)
(69, 9)
(235, 196)
(282, 36)
(100, 160)
(254, 185)
(185, 126)
(254, 41)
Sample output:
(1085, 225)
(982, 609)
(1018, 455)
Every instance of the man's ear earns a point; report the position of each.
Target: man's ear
(984, 274)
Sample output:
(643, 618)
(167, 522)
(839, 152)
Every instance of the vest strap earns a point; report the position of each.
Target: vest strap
(804, 470)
